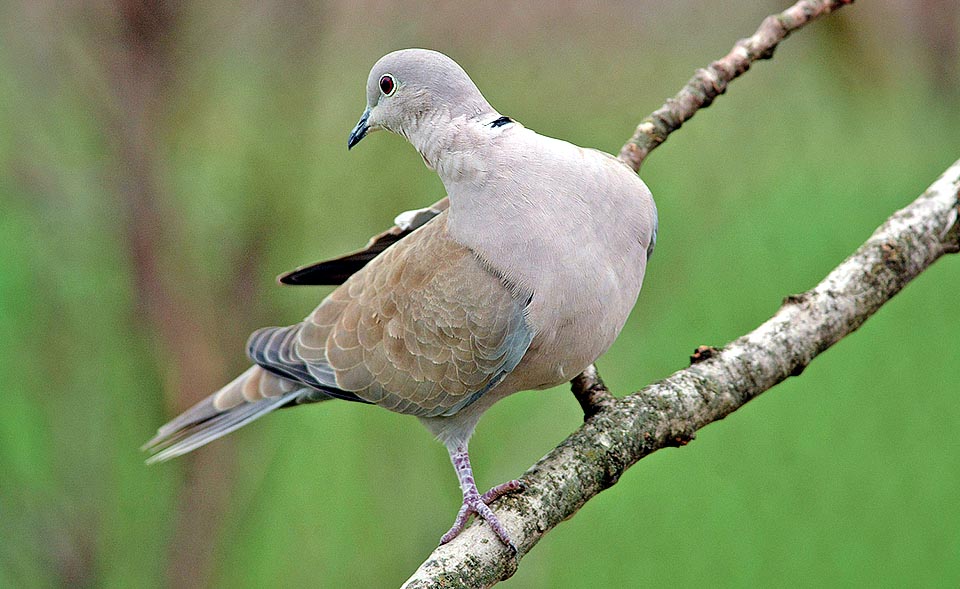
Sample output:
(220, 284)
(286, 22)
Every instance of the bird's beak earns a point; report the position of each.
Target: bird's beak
(360, 131)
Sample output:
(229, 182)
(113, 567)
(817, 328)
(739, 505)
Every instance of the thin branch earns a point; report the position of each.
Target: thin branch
(705, 85)
(709, 82)
(669, 412)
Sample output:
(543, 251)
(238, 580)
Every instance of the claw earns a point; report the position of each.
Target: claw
(514, 486)
(474, 503)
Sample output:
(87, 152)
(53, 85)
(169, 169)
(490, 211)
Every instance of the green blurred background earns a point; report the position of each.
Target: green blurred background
(161, 164)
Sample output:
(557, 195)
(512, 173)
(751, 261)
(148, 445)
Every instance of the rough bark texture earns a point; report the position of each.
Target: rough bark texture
(709, 82)
(619, 432)
(669, 412)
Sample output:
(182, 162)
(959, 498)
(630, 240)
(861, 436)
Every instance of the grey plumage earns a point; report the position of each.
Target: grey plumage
(520, 284)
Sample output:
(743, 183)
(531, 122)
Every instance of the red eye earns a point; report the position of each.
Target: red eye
(387, 85)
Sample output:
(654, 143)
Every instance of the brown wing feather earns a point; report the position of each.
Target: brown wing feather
(424, 329)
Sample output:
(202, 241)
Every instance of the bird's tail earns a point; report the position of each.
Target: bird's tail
(251, 395)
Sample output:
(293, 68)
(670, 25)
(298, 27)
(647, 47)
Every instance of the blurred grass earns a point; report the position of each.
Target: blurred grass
(844, 476)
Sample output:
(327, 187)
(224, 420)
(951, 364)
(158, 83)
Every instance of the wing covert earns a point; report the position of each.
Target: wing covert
(424, 329)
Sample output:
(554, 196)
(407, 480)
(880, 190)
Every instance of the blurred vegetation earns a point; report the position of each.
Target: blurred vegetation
(161, 164)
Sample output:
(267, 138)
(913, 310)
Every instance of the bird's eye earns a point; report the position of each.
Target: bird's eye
(387, 85)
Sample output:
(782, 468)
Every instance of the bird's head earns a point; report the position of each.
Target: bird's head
(413, 88)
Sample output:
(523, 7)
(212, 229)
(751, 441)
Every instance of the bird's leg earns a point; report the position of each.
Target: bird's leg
(474, 502)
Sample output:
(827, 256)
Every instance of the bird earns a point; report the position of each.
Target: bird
(519, 279)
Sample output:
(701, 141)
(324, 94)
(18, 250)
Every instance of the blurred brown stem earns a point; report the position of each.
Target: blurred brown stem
(142, 75)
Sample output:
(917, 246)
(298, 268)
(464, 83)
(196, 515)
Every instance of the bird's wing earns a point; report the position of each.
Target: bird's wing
(337, 270)
(426, 329)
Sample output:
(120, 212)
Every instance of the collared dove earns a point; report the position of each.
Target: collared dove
(520, 281)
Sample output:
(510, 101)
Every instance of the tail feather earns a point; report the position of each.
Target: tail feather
(196, 435)
(221, 413)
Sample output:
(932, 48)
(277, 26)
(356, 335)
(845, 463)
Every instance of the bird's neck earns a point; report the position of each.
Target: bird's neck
(447, 143)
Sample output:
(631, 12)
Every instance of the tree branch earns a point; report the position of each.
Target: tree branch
(619, 432)
(709, 82)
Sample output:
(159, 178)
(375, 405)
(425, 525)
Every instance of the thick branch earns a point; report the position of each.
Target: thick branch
(709, 82)
(669, 412)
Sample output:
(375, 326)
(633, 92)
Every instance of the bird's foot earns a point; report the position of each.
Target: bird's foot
(475, 503)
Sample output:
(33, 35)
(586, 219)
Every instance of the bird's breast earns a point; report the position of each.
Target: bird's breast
(571, 226)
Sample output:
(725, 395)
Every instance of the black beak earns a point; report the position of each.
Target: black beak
(360, 131)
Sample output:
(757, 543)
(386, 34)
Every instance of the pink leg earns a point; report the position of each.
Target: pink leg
(474, 503)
